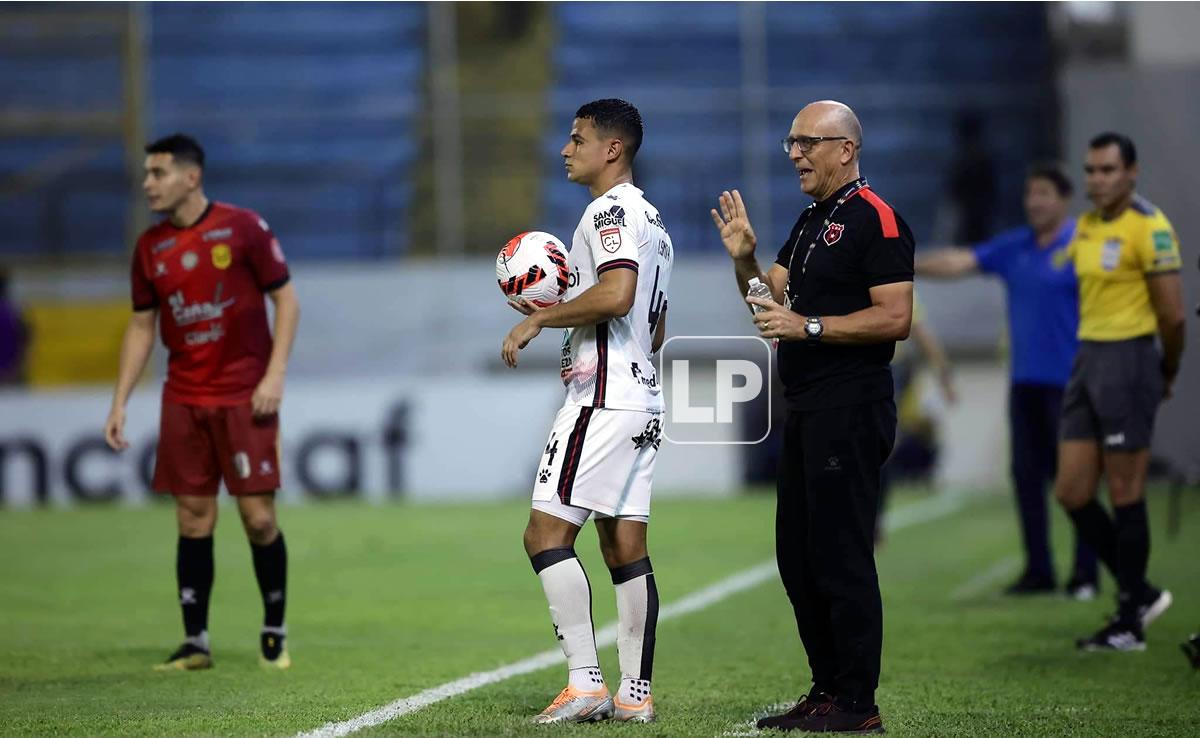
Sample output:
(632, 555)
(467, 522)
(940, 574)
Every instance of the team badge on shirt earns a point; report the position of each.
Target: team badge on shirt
(834, 233)
(222, 257)
(610, 239)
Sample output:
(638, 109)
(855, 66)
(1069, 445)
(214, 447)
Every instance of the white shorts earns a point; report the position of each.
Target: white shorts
(598, 460)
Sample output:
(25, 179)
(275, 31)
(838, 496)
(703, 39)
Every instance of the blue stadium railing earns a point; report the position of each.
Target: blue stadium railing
(308, 113)
(907, 68)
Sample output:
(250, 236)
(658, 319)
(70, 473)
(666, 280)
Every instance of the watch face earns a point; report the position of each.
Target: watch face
(814, 329)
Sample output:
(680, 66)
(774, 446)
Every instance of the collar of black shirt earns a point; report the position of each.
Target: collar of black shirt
(832, 199)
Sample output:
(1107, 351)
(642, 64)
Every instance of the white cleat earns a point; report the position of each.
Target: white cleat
(643, 713)
(576, 706)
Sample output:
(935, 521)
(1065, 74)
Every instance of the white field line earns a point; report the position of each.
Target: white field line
(986, 579)
(930, 509)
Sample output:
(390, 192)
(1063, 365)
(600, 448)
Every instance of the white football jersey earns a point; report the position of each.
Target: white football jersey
(609, 364)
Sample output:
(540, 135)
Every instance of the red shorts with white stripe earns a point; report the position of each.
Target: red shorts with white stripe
(200, 446)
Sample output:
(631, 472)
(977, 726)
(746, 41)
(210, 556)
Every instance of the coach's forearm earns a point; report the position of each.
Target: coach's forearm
(875, 324)
(136, 346)
(598, 303)
(746, 269)
(287, 319)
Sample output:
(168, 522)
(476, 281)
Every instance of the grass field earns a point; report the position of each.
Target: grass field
(386, 602)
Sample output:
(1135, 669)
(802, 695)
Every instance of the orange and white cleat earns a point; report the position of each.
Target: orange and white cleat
(643, 713)
(577, 706)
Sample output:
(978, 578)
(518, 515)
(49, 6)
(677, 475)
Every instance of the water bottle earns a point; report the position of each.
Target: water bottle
(758, 289)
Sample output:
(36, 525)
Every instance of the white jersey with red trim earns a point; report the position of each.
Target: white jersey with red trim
(610, 364)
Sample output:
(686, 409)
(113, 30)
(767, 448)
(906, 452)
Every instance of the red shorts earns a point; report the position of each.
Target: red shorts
(200, 446)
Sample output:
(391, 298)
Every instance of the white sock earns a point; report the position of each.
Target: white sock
(634, 691)
(637, 620)
(199, 641)
(570, 598)
(587, 679)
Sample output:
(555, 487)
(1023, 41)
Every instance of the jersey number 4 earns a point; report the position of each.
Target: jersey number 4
(656, 304)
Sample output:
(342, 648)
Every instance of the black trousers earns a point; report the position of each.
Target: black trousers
(828, 496)
(1033, 414)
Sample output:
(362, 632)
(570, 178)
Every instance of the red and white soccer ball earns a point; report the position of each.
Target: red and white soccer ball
(533, 265)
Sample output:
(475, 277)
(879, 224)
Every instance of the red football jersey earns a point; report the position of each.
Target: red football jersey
(208, 281)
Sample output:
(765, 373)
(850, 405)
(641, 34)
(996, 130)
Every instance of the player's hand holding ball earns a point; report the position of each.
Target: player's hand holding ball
(531, 270)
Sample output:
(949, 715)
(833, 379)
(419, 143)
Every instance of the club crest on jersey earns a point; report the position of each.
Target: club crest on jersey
(189, 260)
(222, 257)
(833, 233)
(610, 239)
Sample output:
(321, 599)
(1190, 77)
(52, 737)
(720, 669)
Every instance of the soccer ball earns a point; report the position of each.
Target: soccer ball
(533, 265)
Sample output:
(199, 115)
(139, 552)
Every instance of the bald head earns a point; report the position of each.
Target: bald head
(823, 144)
(830, 118)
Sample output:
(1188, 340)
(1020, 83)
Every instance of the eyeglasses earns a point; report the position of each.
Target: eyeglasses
(806, 143)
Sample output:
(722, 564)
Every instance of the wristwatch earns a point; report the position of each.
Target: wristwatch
(813, 329)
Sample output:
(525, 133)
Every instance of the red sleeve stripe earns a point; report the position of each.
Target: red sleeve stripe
(887, 216)
(617, 264)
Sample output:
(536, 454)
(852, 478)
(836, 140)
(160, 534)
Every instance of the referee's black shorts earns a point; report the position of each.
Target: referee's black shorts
(1113, 394)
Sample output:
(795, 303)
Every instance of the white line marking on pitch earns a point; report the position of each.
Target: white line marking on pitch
(914, 514)
(986, 579)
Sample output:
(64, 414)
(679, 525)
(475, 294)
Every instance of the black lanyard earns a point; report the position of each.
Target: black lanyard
(859, 185)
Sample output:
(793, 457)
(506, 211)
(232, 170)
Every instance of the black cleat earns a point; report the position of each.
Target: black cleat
(1154, 603)
(274, 652)
(1030, 584)
(1116, 636)
(187, 657)
(807, 704)
(1191, 649)
(832, 718)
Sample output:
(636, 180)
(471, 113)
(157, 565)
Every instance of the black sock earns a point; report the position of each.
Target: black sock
(1097, 530)
(194, 575)
(1133, 554)
(270, 568)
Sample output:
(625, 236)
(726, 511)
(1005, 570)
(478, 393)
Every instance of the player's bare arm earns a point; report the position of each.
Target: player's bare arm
(888, 319)
(135, 352)
(948, 263)
(1166, 297)
(611, 297)
(269, 393)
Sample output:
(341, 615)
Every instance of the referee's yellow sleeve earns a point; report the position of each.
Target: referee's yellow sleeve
(1158, 251)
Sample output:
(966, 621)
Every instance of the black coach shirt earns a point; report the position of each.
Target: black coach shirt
(864, 245)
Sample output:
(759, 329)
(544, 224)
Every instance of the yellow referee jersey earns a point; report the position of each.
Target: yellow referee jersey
(1112, 260)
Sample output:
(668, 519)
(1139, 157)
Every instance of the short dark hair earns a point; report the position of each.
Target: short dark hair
(1053, 173)
(1123, 143)
(181, 146)
(616, 116)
